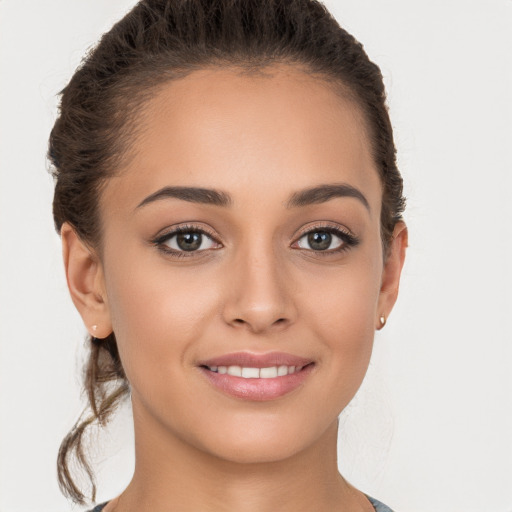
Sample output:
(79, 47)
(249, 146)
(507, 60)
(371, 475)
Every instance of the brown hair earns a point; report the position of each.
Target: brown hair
(161, 40)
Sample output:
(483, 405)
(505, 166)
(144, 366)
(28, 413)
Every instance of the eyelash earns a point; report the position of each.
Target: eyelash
(160, 240)
(348, 240)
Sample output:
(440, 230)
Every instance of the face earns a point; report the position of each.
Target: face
(241, 266)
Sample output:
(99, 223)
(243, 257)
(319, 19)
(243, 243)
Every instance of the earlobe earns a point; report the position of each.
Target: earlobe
(84, 275)
(391, 273)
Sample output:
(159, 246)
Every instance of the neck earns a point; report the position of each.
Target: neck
(173, 475)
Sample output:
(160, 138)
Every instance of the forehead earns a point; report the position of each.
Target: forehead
(267, 132)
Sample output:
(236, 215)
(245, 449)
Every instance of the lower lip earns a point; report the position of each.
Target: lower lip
(258, 389)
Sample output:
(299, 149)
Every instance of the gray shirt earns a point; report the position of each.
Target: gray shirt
(377, 505)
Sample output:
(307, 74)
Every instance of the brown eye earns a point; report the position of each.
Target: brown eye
(187, 241)
(321, 240)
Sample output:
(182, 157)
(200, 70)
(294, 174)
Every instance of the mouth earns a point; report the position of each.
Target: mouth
(257, 377)
(248, 372)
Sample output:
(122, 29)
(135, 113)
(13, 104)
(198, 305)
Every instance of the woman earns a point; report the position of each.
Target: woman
(230, 212)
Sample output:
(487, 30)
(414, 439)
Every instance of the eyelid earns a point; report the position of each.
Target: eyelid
(348, 237)
(172, 231)
(326, 226)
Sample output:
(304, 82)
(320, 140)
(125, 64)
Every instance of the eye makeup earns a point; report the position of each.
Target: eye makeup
(186, 241)
(323, 236)
(189, 240)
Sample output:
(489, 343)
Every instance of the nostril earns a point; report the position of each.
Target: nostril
(253, 325)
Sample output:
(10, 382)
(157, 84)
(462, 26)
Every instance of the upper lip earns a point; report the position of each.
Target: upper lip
(252, 360)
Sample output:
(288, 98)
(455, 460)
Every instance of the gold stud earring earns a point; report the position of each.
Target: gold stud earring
(382, 321)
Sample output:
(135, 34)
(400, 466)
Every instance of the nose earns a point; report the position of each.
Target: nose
(260, 294)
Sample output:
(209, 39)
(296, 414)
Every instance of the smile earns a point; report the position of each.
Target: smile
(257, 377)
(245, 372)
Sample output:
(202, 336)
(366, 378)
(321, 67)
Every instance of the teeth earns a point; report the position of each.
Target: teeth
(268, 373)
(282, 370)
(250, 373)
(236, 371)
(255, 373)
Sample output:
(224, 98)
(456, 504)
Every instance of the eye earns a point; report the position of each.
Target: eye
(190, 241)
(185, 240)
(326, 239)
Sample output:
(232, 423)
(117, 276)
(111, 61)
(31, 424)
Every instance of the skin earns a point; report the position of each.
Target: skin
(257, 286)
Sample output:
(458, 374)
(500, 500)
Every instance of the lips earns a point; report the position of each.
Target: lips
(257, 377)
(249, 359)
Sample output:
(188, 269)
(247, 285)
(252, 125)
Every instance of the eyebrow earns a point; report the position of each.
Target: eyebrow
(324, 193)
(191, 194)
(306, 197)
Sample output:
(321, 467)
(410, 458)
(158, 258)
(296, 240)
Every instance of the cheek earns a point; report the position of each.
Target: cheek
(345, 298)
(157, 313)
(342, 312)
(350, 308)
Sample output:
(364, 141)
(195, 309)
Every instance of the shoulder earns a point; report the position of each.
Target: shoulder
(98, 508)
(378, 506)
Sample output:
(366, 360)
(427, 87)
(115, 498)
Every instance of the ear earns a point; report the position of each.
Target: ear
(391, 273)
(84, 275)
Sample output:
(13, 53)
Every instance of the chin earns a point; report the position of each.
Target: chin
(264, 442)
(273, 451)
